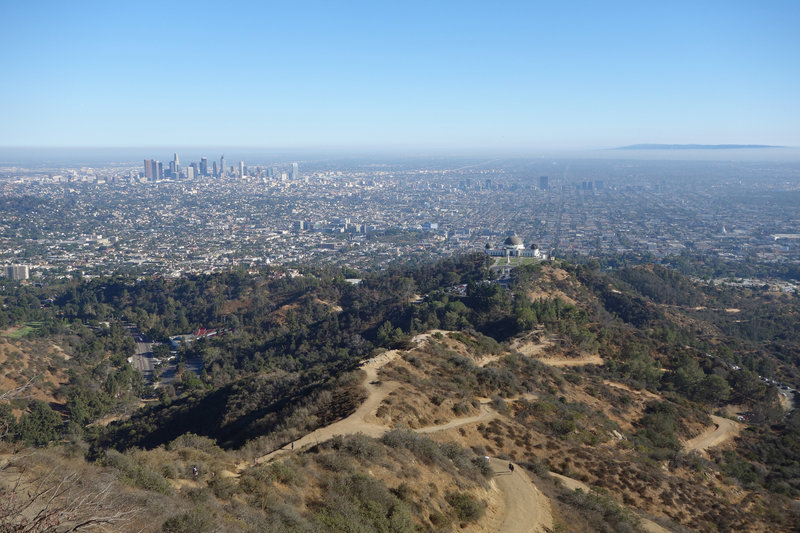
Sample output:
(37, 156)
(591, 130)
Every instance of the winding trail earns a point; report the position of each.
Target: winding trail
(564, 362)
(640, 392)
(526, 509)
(486, 414)
(361, 421)
(521, 506)
(724, 429)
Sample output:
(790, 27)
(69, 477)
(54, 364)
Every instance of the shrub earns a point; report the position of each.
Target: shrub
(403, 492)
(461, 408)
(335, 462)
(465, 506)
(223, 487)
(283, 518)
(282, 473)
(358, 502)
(536, 466)
(198, 520)
(198, 442)
(439, 520)
(362, 447)
(135, 473)
(598, 502)
(199, 496)
(449, 456)
(499, 404)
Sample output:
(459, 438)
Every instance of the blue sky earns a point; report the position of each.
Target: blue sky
(516, 75)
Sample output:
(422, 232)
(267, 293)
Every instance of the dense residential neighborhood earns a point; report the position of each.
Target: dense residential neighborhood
(91, 221)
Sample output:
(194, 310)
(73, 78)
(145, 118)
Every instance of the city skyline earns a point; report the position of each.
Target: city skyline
(443, 76)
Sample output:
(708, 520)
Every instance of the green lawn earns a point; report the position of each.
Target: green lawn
(22, 331)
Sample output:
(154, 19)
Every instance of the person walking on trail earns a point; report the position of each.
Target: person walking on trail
(510, 467)
(194, 471)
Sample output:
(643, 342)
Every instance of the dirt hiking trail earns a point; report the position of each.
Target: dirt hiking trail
(358, 422)
(723, 430)
(525, 509)
(521, 507)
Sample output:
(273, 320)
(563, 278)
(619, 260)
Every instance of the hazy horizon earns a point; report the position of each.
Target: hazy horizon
(89, 156)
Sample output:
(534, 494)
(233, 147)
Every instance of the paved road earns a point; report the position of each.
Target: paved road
(168, 375)
(143, 360)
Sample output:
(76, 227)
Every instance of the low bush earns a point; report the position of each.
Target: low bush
(134, 473)
(448, 456)
(357, 502)
(223, 487)
(198, 520)
(602, 511)
(465, 506)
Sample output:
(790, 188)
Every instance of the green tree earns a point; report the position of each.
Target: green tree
(40, 425)
(714, 389)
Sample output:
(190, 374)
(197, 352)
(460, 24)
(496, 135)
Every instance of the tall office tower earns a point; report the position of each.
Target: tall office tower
(177, 162)
(241, 169)
(148, 169)
(543, 183)
(214, 169)
(190, 172)
(204, 166)
(294, 171)
(222, 166)
(159, 170)
(18, 272)
(173, 170)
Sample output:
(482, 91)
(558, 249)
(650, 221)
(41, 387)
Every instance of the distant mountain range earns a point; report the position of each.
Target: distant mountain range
(694, 146)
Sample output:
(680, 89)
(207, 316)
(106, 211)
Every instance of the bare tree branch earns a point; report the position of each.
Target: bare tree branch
(60, 503)
(17, 391)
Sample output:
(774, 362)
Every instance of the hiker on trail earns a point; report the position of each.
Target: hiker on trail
(293, 445)
(194, 471)
(510, 467)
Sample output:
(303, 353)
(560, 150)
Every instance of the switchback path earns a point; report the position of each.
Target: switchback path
(524, 508)
(359, 421)
(487, 413)
(723, 430)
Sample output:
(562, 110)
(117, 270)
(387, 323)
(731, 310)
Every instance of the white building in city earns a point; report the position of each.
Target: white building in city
(18, 272)
(514, 247)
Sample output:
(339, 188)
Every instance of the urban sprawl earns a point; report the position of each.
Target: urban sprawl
(200, 217)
